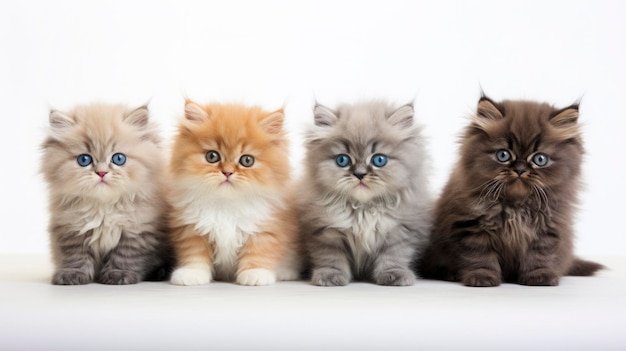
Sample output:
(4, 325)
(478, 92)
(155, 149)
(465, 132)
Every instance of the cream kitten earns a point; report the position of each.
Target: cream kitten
(104, 167)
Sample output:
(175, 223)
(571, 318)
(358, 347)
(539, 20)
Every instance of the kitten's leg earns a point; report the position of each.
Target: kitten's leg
(75, 262)
(131, 259)
(391, 265)
(194, 258)
(290, 268)
(478, 262)
(329, 258)
(538, 266)
(290, 265)
(259, 259)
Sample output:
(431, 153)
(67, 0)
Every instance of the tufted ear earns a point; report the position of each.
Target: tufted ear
(273, 123)
(324, 117)
(566, 117)
(60, 122)
(402, 117)
(489, 109)
(195, 113)
(138, 117)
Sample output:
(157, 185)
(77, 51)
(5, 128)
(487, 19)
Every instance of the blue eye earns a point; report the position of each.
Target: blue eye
(84, 160)
(503, 155)
(246, 160)
(119, 159)
(541, 159)
(342, 160)
(212, 156)
(379, 160)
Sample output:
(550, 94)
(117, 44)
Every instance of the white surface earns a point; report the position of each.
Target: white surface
(60, 53)
(583, 313)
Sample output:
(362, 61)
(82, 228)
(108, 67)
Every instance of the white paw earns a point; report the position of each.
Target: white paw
(191, 276)
(256, 276)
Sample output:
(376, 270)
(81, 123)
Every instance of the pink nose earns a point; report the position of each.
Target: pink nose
(102, 174)
(227, 174)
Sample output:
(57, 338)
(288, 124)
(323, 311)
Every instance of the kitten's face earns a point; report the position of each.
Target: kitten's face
(231, 148)
(100, 152)
(518, 149)
(358, 152)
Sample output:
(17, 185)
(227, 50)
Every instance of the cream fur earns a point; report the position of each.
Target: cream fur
(96, 211)
(256, 276)
(190, 275)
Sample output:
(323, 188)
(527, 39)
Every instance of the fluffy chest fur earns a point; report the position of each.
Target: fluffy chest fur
(102, 224)
(513, 228)
(226, 222)
(363, 226)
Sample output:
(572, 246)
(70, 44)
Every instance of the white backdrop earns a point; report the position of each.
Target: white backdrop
(274, 53)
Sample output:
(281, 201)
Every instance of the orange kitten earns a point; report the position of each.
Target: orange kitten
(233, 219)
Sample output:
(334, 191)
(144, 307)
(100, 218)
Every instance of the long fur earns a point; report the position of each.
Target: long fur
(510, 221)
(369, 231)
(238, 226)
(110, 230)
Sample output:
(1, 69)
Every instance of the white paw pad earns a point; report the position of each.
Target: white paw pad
(256, 276)
(190, 276)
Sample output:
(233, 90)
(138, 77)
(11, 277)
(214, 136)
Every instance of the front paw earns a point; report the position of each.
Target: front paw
(481, 278)
(70, 276)
(329, 277)
(256, 276)
(191, 276)
(395, 277)
(539, 277)
(119, 277)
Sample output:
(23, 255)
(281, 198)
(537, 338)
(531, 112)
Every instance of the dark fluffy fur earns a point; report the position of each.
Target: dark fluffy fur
(510, 221)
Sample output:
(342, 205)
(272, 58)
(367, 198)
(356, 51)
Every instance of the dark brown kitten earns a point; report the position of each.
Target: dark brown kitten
(506, 213)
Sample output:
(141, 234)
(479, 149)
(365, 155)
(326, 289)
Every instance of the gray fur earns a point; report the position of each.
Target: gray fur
(113, 233)
(371, 234)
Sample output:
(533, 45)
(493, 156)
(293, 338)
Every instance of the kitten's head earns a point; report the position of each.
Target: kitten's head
(363, 152)
(231, 148)
(101, 152)
(517, 149)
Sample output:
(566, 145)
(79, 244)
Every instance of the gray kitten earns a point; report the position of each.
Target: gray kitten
(105, 171)
(365, 204)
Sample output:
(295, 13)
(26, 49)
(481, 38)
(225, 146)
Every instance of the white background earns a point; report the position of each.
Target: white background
(275, 53)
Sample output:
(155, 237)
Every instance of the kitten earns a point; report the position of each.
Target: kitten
(233, 218)
(104, 167)
(506, 213)
(364, 204)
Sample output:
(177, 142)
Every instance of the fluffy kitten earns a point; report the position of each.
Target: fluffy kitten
(104, 167)
(364, 204)
(506, 213)
(233, 217)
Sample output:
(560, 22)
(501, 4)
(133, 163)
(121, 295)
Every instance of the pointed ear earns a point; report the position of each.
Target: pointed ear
(273, 123)
(566, 117)
(60, 122)
(489, 109)
(402, 117)
(138, 117)
(324, 117)
(195, 113)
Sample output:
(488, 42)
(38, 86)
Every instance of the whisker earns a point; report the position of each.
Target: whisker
(542, 195)
(491, 189)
